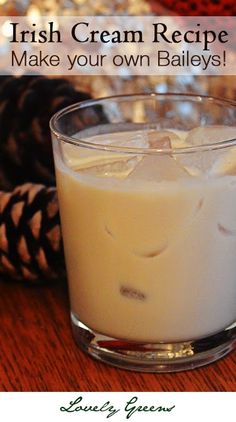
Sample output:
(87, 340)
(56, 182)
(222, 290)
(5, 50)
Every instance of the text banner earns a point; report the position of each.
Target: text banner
(118, 45)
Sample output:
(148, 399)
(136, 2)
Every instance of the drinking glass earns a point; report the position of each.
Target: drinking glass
(147, 194)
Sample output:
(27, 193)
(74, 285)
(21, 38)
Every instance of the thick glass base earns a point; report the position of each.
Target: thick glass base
(152, 357)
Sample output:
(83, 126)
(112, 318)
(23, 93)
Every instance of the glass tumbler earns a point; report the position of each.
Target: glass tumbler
(147, 196)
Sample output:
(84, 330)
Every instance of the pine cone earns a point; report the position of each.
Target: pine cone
(30, 237)
(26, 106)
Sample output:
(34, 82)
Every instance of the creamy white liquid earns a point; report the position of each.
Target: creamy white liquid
(146, 260)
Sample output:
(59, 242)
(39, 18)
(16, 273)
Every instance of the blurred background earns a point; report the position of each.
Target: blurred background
(30, 237)
(97, 86)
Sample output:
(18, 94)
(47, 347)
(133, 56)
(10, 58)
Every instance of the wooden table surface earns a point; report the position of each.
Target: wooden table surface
(38, 353)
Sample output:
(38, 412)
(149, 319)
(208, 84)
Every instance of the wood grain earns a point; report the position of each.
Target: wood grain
(38, 353)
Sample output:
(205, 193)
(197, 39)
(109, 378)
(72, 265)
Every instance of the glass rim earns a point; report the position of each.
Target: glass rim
(198, 98)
